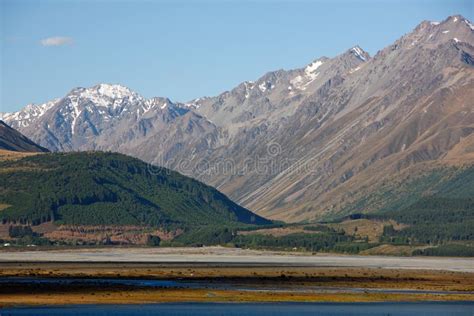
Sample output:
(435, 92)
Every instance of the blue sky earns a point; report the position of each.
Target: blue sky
(186, 49)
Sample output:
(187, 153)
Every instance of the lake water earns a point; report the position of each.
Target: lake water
(233, 309)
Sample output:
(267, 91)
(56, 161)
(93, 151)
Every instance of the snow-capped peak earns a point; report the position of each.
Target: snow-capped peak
(110, 91)
(114, 91)
(105, 95)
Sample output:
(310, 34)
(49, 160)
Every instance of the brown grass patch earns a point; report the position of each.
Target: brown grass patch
(14, 155)
(391, 250)
(372, 229)
(277, 231)
(198, 295)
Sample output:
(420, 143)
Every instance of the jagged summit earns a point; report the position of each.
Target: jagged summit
(106, 92)
(107, 89)
(457, 22)
(458, 18)
(450, 19)
(454, 28)
(115, 91)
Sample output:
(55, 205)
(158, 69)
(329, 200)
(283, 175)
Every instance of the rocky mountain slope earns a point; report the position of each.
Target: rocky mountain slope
(12, 140)
(299, 144)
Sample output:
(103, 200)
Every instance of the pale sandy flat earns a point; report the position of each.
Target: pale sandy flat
(232, 256)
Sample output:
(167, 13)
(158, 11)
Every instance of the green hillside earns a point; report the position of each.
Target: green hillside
(436, 207)
(96, 188)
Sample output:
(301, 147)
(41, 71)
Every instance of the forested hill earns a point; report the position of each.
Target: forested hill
(96, 188)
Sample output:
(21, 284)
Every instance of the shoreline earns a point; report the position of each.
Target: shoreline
(221, 283)
(134, 297)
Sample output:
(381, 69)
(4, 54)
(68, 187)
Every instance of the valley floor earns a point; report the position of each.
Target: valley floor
(236, 256)
(215, 274)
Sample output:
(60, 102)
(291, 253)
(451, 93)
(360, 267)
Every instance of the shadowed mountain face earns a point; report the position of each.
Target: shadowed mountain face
(12, 140)
(296, 144)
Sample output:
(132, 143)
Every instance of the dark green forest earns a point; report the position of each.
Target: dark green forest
(437, 208)
(442, 214)
(96, 188)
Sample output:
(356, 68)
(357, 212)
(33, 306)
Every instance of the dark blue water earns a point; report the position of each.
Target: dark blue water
(276, 309)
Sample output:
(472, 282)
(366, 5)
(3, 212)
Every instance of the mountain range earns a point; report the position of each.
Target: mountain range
(337, 136)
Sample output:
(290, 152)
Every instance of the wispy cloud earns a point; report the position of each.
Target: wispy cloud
(56, 41)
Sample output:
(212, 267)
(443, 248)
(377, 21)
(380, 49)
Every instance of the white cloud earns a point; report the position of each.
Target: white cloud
(56, 41)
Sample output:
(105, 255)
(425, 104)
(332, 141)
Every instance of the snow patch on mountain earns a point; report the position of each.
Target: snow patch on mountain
(354, 69)
(249, 85)
(265, 85)
(300, 82)
(358, 52)
(469, 24)
(75, 115)
(311, 68)
(194, 104)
